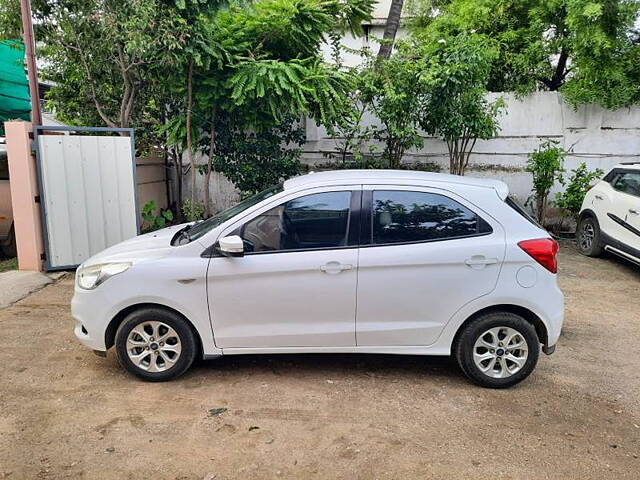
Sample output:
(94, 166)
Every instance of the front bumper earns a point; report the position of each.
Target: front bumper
(90, 317)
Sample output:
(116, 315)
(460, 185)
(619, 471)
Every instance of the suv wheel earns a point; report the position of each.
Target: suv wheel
(588, 237)
(498, 350)
(155, 344)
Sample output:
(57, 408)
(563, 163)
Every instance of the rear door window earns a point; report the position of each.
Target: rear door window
(400, 216)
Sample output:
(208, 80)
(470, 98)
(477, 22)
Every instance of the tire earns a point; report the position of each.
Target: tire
(145, 332)
(9, 248)
(588, 237)
(480, 333)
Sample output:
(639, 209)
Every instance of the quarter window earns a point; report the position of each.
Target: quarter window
(403, 216)
(313, 221)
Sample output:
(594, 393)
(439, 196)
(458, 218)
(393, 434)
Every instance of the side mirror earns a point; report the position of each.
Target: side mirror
(231, 246)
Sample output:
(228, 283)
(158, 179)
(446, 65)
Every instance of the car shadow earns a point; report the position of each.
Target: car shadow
(327, 364)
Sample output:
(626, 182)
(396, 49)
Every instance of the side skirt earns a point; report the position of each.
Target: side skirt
(391, 350)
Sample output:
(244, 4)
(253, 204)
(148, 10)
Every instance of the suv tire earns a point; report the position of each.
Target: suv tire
(588, 237)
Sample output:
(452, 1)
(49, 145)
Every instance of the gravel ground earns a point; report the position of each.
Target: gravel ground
(65, 413)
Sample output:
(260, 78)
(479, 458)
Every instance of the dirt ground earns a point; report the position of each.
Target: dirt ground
(66, 413)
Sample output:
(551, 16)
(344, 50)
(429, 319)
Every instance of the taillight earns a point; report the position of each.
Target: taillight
(543, 251)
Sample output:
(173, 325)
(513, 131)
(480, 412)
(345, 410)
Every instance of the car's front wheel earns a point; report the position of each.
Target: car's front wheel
(155, 344)
(497, 350)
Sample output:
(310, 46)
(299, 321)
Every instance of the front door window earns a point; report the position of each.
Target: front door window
(314, 221)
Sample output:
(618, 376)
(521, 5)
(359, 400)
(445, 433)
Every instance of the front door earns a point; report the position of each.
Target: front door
(625, 209)
(296, 284)
(427, 255)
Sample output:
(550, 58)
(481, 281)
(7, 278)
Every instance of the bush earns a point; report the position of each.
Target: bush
(545, 164)
(192, 211)
(151, 221)
(254, 161)
(570, 201)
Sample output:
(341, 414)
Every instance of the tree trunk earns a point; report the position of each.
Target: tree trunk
(178, 194)
(555, 82)
(390, 29)
(189, 140)
(207, 177)
(541, 207)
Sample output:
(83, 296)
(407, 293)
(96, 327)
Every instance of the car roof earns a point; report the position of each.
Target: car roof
(628, 165)
(393, 176)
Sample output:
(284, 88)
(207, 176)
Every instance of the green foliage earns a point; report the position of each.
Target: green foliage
(570, 200)
(153, 221)
(192, 212)
(346, 127)
(454, 105)
(588, 49)
(390, 90)
(546, 166)
(255, 161)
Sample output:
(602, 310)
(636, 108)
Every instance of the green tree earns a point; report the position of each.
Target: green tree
(588, 49)
(264, 65)
(390, 91)
(545, 164)
(454, 103)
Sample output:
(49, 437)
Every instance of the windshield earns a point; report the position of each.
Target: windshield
(199, 229)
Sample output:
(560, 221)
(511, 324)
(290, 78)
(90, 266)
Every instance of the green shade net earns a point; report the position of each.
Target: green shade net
(14, 87)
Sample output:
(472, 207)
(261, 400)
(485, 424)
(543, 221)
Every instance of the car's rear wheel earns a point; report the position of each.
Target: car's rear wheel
(497, 350)
(155, 344)
(588, 237)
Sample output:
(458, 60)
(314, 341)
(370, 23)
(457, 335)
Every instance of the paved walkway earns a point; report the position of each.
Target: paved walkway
(17, 284)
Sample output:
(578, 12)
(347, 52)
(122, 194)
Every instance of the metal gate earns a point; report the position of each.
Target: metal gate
(87, 191)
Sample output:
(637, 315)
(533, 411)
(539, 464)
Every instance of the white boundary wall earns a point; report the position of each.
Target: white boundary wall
(599, 137)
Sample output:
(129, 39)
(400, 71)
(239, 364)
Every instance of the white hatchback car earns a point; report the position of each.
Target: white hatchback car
(367, 261)
(610, 215)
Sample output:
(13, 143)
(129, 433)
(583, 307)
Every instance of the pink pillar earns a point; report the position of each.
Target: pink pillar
(24, 189)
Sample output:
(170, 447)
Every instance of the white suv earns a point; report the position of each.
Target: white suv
(610, 215)
(367, 261)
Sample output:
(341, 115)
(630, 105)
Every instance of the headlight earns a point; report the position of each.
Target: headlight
(92, 276)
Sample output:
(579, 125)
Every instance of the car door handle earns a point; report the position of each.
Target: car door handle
(335, 267)
(633, 212)
(480, 261)
(599, 197)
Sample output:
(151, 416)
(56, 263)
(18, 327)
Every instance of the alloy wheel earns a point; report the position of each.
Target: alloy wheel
(500, 352)
(153, 346)
(587, 235)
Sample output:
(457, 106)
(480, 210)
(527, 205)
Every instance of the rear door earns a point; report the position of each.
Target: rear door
(425, 253)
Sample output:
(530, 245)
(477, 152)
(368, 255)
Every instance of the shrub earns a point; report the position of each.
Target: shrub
(151, 221)
(570, 201)
(545, 164)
